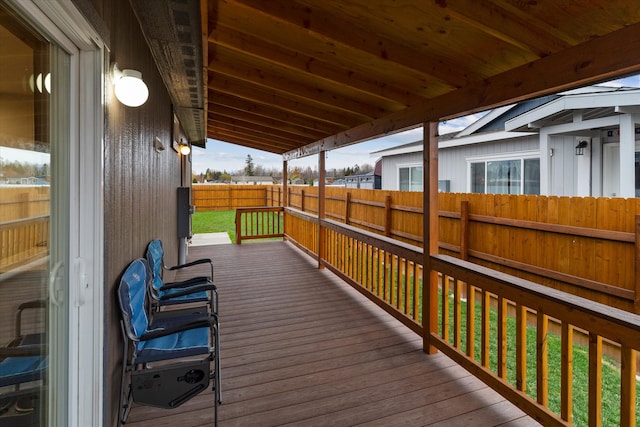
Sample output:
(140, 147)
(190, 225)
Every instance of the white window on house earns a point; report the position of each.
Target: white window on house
(410, 178)
(505, 176)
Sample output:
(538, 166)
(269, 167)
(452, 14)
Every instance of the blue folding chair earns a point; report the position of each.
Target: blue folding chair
(194, 290)
(168, 338)
(23, 367)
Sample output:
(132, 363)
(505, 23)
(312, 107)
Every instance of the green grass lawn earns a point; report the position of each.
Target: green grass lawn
(214, 222)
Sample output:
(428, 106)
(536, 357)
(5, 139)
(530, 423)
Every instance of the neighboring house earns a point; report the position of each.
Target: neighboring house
(370, 181)
(252, 180)
(584, 142)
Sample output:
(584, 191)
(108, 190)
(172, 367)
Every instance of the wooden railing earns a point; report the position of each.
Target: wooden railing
(22, 241)
(485, 321)
(259, 223)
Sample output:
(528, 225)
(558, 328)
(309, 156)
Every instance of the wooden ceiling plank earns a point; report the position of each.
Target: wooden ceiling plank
(273, 144)
(587, 63)
(268, 97)
(347, 33)
(291, 83)
(262, 128)
(224, 100)
(326, 41)
(258, 134)
(259, 120)
(516, 29)
(302, 63)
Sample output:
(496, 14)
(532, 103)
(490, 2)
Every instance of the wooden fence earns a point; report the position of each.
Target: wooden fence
(214, 197)
(586, 246)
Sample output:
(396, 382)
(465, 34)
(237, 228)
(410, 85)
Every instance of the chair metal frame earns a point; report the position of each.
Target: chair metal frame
(147, 339)
(195, 289)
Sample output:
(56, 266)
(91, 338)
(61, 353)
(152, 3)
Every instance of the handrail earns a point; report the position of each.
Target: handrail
(386, 271)
(262, 222)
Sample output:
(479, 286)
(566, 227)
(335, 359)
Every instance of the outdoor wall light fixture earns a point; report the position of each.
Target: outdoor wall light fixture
(580, 147)
(129, 87)
(184, 148)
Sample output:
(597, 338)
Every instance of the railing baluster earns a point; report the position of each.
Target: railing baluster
(566, 373)
(486, 325)
(542, 365)
(502, 337)
(471, 321)
(521, 347)
(457, 314)
(595, 380)
(628, 387)
(445, 308)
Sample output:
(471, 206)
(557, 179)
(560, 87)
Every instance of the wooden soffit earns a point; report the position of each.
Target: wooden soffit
(296, 77)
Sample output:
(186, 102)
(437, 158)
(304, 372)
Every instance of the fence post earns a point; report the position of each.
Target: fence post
(464, 230)
(347, 202)
(302, 200)
(387, 216)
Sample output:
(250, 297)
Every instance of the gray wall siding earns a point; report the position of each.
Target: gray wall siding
(390, 168)
(140, 196)
(452, 162)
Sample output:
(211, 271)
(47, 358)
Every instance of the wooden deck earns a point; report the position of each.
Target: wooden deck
(300, 347)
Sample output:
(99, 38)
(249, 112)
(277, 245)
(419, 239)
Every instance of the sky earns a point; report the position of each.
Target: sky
(222, 156)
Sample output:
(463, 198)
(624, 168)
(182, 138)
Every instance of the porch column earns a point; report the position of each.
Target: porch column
(430, 227)
(627, 157)
(545, 163)
(321, 205)
(285, 183)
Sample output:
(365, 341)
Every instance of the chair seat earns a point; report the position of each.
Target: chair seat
(17, 370)
(187, 343)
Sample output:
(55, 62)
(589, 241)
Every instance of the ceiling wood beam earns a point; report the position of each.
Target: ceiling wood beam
(330, 37)
(587, 63)
(270, 131)
(239, 138)
(269, 97)
(233, 113)
(230, 63)
(251, 132)
(223, 100)
(305, 64)
(509, 25)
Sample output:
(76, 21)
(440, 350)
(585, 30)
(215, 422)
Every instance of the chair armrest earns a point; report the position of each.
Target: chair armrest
(195, 281)
(192, 263)
(189, 290)
(23, 351)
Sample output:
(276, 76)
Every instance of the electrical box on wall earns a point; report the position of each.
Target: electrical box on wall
(184, 212)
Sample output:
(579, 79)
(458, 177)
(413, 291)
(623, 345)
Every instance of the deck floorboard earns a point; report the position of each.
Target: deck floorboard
(300, 347)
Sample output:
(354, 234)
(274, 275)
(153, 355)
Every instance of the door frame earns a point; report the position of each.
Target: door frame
(61, 23)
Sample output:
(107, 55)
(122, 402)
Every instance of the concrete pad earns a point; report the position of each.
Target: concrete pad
(207, 239)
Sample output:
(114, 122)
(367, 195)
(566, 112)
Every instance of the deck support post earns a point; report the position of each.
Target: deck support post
(430, 226)
(321, 204)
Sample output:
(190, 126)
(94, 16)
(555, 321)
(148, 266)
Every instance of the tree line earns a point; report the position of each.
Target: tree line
(295, 174)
